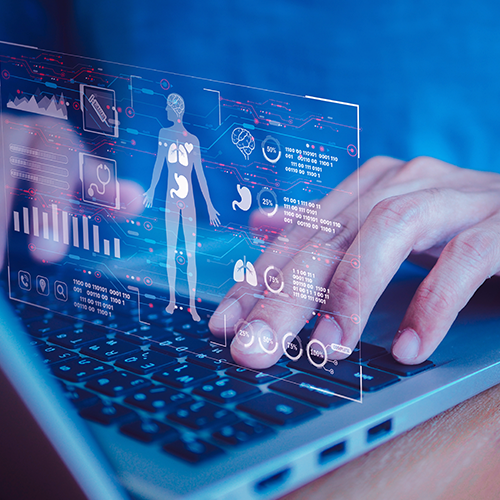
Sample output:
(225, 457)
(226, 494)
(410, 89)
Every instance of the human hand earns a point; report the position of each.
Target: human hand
(148, 197)
(213, 215)
(423, 207)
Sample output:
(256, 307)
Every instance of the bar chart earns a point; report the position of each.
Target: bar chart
(56, 222)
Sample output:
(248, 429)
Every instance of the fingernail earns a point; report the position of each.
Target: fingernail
(328, 332)
(406, 346)
(255, 337)
(226, 316)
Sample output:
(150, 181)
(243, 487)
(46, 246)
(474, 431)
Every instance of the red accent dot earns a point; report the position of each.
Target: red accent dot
(151, 306)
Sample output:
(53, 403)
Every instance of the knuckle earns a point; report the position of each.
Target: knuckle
(476, 245)
(435, 299)
(341, 239)
(398, 212)
(422, 165)
(345, 288)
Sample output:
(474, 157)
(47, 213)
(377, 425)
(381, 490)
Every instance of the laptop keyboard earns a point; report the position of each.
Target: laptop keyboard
(168, 383)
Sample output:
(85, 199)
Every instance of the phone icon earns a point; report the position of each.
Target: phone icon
(24, 279)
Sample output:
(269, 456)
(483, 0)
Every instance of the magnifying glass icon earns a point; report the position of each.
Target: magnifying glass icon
(61, 291)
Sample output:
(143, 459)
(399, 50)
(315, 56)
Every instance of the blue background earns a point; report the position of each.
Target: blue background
(426, 74)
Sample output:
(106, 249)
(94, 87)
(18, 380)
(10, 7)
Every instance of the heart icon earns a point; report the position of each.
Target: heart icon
(189, 147)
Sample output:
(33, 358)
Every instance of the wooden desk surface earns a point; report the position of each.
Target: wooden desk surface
(454, 455)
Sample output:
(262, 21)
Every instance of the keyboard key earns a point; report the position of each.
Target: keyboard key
(368, 351)
(314, 391)
(157, 398)
(117, 383)
(36, 342)
(53, 354)
(194, 329)
(348, 373)
(200, 415)
(389, 364)
(226, 390)
(108, 349)
(46, 326)
(179, 345)
(149, 430)
(80, 397)
(107, 413)
(277, 409)
(79, 369)
(241, 432)
(214, 358)
(144, 362)
(259, 377)
(193, 450)
(76, 338)
(184, 375)
(144, 334)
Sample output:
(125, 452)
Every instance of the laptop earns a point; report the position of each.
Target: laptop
(131, 201)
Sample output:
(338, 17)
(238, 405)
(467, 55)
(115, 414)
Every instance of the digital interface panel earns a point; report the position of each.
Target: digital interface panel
(144, 193)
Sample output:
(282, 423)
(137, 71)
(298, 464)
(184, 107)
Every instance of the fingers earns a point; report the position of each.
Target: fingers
(467, 260)
(276, 319)
(396, 226)
(287, 247)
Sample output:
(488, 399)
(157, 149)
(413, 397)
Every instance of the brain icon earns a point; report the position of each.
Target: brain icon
(244, 141)
(176, 102)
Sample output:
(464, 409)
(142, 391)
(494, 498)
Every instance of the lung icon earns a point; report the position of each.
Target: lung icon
(246, 198)
(243, 269)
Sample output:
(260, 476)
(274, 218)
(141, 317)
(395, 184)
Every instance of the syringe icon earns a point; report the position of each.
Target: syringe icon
(97, 108)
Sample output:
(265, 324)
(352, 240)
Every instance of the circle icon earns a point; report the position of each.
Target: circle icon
(355, 319)
(273, 275)
(98, 274)
(130, 112)
(268, 201)
(269, 341)
(148, 281)
(352, 150)
(355, 263)
(164, 84)
(5, 74)
(323, 348)
(244, 333)
(293, 345)
(148, 226)
(180, 260)
(271, 149)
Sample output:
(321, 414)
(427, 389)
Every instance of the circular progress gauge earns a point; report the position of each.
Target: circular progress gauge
(268, 201)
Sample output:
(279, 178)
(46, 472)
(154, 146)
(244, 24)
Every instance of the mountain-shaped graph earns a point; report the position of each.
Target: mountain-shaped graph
(41, 105)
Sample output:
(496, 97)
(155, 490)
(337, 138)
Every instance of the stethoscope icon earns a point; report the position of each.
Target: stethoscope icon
(99, 170)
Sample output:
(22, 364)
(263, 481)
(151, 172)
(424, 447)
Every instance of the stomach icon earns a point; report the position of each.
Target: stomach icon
(183, 187)
(246, 199)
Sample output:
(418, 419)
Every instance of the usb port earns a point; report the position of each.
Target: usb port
(272, 482)
(332, 453)
(379, 430)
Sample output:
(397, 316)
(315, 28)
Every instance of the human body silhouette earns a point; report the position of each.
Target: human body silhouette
(181, 151)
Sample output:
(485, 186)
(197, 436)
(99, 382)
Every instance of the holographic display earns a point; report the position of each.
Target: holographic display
(130, 189)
